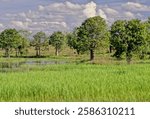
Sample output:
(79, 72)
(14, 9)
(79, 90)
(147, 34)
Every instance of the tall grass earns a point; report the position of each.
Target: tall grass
(83, 82)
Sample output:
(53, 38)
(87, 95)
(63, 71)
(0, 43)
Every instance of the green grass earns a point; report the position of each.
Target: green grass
(82, 82)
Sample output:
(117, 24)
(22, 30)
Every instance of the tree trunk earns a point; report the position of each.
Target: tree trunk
(110, 49)
(128, 58)
(91, 55)
(37, 53)
(7, 52)
(56, 52)
(17, 52)
(78, 52)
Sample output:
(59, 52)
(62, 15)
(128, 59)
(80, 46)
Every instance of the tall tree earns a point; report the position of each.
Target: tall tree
(74, 42)
(145, 48)
(9, 38)
(23, 47)
(129, 36)
(57, 40)
(92, 34)
(117, 39)
(39, 41)
(24, 42)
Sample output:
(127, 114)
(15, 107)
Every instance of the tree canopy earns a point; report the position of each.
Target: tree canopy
(91, 34)
(39, 41)
(9, 38)
(128, 36)
(57, 40)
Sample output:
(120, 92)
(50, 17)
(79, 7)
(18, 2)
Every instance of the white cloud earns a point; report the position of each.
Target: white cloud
(41, 8)
(73, 6)
(129, 14)
(136, 6)
(139, 15)
(67, 15)
(1, 25)
(102, 14)
(19, 24)
(28, 20)
(110, 11)
(22, 14)
(90, 9)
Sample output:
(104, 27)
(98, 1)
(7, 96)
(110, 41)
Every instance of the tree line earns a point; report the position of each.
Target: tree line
(122, 37)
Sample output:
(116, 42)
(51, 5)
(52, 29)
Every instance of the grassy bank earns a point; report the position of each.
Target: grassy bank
(82, 82)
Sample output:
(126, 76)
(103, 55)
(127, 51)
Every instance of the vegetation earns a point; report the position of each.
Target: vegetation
(71, 76)
(9, 39)
(128, 36)
(74, 42)
(57, 40)
(40, 40)
(92, 33)
(71, 82)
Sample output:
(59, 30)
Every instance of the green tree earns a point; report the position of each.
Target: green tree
(25, 42)
(57, 40)
(145, 48)
(9, 39)
(117, 39)
(73, 41)
(23, 47)
(128, 36)
(92, 33)
(40, 40)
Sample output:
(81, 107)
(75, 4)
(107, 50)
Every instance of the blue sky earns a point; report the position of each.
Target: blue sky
(64, 15)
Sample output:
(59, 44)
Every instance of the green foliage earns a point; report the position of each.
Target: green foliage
(71, 82)
(92, 33)
(117, 39)
(9, 38)
(57, 40)
(145, 48)
(128, 36)
(40, 41)
(74, 42)
(24, 42)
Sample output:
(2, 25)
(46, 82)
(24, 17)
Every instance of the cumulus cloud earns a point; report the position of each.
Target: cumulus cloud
(1, 25)
(136, 6)
(73, 6)
(66, 15)
(19, 24)
(41, 8)
(129, 14)
(90, 9)
(102, 14)
(110, 11)
(22, 14)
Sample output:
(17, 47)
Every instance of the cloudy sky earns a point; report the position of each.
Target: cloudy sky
(64, 15)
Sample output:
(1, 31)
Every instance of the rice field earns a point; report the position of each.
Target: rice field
(77, 82)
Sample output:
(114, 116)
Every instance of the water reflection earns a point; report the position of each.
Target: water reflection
(12, 66)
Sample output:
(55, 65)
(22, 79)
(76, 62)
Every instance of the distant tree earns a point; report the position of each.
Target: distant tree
(145, 49)
(92, 33)
(128, 36)
(40, 40)
(9, 38)
(24, 42)
(117, 39)
(57, 40)
(73, 41)
(23, 47)
(148, 20)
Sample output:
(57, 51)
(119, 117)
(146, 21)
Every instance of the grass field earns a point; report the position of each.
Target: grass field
(77, 82)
